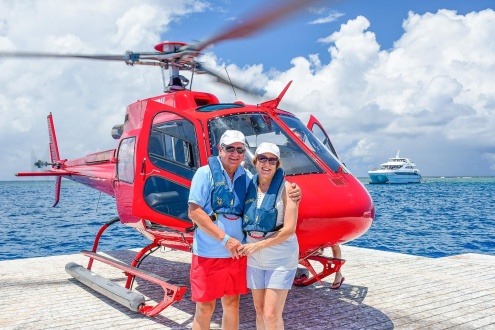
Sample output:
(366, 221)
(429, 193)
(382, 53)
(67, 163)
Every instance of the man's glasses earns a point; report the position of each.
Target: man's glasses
(271, 160)
(229, 149)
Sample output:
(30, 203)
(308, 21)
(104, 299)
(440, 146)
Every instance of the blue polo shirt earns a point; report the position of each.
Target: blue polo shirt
(201, 187)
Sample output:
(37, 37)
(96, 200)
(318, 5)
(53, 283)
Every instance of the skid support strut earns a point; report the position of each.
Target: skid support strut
(137, 261)
(330, 266)
(98, 236)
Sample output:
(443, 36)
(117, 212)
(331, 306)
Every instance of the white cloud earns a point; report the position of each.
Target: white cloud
(331, 17)
(432, 95)
(86, 97)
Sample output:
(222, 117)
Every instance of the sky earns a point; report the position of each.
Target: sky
(381, 76)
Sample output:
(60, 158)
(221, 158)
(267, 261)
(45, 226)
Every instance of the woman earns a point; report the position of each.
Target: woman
(270, 218)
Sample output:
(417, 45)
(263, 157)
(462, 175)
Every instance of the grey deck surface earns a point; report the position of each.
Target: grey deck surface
(382, 290)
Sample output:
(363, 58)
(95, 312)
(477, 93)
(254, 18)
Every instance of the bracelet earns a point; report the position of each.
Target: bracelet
(225, 239)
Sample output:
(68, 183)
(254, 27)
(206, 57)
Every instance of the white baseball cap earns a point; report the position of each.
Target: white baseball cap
(268, 147)
(232, 136)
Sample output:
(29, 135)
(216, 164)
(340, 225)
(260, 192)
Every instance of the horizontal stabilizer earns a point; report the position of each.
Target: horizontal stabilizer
(59, 174)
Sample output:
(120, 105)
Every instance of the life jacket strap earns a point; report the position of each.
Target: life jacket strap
(213, 217)
(277, 228)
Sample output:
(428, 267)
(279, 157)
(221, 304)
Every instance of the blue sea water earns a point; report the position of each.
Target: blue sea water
(31, 227)
(436, 218)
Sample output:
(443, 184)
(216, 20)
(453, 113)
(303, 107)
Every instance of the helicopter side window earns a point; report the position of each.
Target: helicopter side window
(318, 132)
(173, 146)
(125, 160)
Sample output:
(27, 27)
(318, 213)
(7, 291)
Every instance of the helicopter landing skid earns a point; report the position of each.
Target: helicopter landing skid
(172, 291)
(330, 266)
(124, 295)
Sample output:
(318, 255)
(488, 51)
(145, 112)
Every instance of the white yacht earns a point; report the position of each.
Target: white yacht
(396, 170)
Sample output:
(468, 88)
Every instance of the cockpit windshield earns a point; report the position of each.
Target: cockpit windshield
(313, 143)
(258, 128)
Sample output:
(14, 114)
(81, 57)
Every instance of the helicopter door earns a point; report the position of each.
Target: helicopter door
(167, 157)
(315, 126)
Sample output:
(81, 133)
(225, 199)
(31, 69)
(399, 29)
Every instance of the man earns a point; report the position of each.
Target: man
(217, 271)
(216, 203)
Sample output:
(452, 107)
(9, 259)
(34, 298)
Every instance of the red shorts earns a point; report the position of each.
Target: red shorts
(213, 278)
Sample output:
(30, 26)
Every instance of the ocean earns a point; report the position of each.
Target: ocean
(436, 218)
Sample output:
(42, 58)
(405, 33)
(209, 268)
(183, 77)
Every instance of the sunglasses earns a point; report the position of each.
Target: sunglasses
(263, 159)
(229, 149)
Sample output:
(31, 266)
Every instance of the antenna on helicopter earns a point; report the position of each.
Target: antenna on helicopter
(228, 76)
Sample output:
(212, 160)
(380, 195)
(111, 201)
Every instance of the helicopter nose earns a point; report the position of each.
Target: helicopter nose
(332, 210)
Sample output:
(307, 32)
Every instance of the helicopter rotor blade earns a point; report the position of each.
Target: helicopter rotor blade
(186, 53)
(125, 57)
(182, 57)
(254, 24)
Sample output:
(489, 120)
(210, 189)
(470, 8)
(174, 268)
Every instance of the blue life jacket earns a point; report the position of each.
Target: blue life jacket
(263, 219)
(223, 200)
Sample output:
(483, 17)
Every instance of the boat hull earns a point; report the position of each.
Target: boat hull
(394, 177)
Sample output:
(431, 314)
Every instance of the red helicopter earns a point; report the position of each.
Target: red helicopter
(165, 139)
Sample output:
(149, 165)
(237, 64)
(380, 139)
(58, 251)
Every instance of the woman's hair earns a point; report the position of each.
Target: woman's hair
(255, 161)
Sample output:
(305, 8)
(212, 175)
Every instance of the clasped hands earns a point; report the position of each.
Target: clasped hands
(238, 250)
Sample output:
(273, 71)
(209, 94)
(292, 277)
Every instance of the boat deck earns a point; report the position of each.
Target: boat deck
(382, 290)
